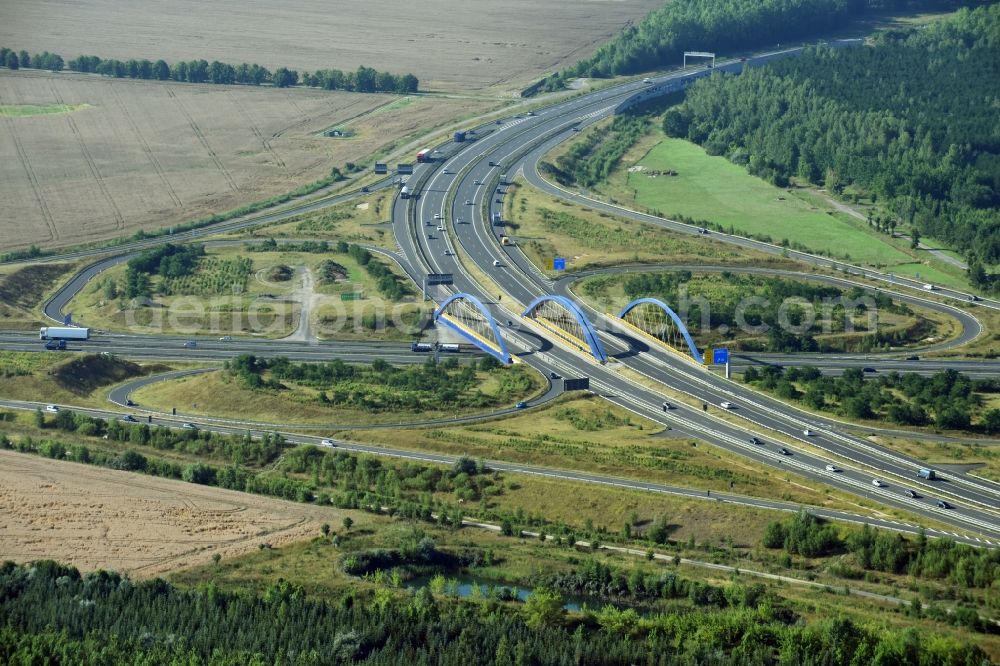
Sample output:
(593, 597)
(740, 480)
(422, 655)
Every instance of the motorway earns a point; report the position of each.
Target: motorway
(461, 188)
(461, 185)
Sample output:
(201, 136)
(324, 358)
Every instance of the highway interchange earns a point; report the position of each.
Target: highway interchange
(462, 187)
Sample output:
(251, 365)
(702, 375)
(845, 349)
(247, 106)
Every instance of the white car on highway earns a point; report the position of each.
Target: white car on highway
(437, 216)
(496, 262)
(832, 468)
(726, 404)
(807, 432)
(51, 408)
(877, 483)
(327, 442)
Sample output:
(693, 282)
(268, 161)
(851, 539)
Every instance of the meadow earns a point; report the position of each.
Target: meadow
(546, 227)
(716, 190)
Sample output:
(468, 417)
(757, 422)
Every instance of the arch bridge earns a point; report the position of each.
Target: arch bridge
(466, 315)
(564, 318)
(654, 318)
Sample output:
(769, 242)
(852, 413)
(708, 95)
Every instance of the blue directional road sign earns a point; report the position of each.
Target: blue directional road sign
(720, 356)
(559, 264)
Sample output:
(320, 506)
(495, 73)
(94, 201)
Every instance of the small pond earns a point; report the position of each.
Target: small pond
(463, 585)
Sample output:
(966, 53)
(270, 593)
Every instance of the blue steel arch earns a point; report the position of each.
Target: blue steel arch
(673, 315)
(589, 334)
(503, 355)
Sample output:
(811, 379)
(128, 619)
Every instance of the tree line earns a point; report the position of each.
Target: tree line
(364, 79)
(589, 161)
(17, 59)
(389, 284)
(907, 122)
(947, 399)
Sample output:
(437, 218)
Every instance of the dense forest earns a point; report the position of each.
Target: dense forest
(909, 121)
(364, 79)
(53, 614)
(725, 26)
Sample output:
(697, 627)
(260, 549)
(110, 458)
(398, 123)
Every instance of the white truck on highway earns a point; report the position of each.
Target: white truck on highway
(63, 333)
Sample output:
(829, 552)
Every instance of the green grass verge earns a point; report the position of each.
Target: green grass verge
(587, 434)
(25, 110)
(715, 189)
(546, 227)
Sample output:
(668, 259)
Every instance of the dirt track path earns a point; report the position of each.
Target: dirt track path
(305, 295)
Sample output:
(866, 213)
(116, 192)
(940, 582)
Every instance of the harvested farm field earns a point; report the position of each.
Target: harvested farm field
(480, 44)
(108, 157)
(93, 518)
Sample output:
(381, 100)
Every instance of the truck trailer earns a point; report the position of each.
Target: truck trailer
(63, 333)
(424, 155)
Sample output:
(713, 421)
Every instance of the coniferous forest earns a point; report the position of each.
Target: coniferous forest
(660, 39)
(910, 119)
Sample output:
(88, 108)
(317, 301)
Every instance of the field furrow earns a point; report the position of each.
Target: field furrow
(158, 169)
(150, 155)
(94, 171)
(204, 142)
(256, 131)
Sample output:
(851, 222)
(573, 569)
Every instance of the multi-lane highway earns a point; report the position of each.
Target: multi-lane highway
(462, 186)
(462, 189)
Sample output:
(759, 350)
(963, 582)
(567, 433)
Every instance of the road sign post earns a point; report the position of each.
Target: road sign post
(721, 356)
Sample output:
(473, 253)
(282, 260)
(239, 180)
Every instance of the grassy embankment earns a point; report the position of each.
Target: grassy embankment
(23, 289)
(66, 378)
(368, 397)
(367, 220)
(593, 437)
